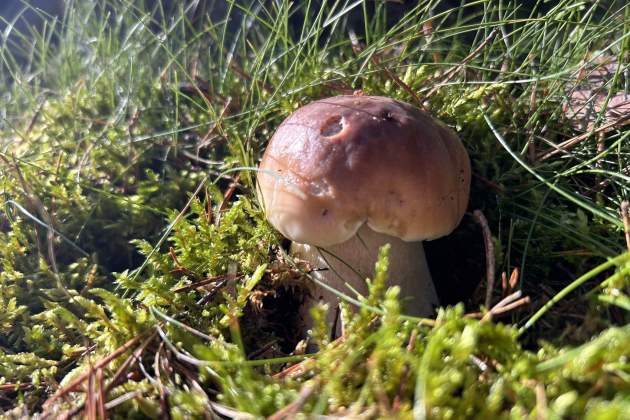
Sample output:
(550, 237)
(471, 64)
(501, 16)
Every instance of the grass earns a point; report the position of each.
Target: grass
(131, 234)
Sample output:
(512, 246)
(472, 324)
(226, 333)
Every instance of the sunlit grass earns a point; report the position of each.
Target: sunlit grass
(121, 122)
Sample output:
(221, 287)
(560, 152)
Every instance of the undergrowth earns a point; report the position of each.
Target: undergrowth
(140, 279)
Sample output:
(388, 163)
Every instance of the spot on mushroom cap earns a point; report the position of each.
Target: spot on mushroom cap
(339, 162)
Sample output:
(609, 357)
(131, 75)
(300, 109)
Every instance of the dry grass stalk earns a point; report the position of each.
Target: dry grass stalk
(625, 215)
(450, 74)
(226, 199)
(489, 246)
(88, 375)
(291, 410)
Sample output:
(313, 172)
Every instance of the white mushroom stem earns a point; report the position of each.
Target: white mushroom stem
(347, 265)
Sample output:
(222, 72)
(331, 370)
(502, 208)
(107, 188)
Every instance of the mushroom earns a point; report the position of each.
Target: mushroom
(345, 175)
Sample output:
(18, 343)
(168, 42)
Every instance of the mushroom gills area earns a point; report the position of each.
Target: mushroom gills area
(345, 267)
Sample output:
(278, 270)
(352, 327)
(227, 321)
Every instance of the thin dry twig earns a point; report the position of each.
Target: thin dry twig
(541, 402)
(296, 370)
(226, 199)
(509, 307)
(123, 398)
(38, 205)
(208, 206)
(567, 145)
(179, 268)
(205, 282)
(508, 286)
(489, 246)
(100, 383)
(90, 407)
(338, 86)
(427, 32)
(15, 387)
(289, 411)
(506, 304)
(206, 139)
(625, 215)
(402, 387)
(116, 380)
(81, 378)
(357, 48)
(205, 299)
(531, 143)
(299, 369)
(450, 74)
(165, 411)
(229, 412)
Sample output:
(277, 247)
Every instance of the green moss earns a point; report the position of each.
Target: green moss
(106, 134)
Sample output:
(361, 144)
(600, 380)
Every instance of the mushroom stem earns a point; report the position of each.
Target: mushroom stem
(348, 264)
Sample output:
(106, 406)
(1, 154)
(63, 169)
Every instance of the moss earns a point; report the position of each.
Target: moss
(133, 247)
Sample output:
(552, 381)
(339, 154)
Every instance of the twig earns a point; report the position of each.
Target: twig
(230, 412)
(626, 222)
(115, 380)
(507, 308)
(357, 48)
(289, 411)
(217, 287)
(509, 286)
(179, 267)
(205, 282)
(427, 31)
(37, 204)
(404, 376)
(298, 369)
(14, 387)
(489, 246)
(338, 86)
(226, 199)
(400, 83)
(100, 383)
(541, 402)
(450, 74)
(206, 140)
(100, 364)
(571, 143)
(90, 407)
(508, 299)
(382, 401)
(258, 352)
(123, 398)
(506, 304)
(165, 409)
(208, 207)
(531, 143)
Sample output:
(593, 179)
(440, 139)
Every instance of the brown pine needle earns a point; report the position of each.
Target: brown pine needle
(100, 364)
(293, 408)
(450, 74)
(489, 246)
(626, 222)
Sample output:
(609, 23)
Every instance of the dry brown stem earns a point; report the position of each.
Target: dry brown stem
(88, 375)
(450, 74)
(489, 246)
(625, 215)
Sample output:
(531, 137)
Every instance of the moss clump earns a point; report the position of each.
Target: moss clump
(137, 268)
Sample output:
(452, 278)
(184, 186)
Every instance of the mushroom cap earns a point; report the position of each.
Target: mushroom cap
(340, 162)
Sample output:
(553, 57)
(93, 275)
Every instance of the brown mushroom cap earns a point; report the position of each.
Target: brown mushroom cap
(337, 163)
